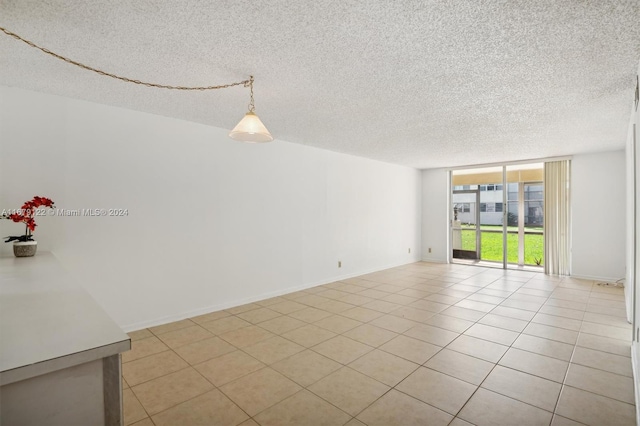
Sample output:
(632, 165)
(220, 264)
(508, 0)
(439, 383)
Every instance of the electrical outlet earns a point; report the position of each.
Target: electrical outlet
(339, 264)
(429, 249)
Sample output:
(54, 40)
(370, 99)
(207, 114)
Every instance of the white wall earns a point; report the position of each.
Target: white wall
(435, 215)
(632, 296)
(630, 171)
(598, 215)
(211, 222)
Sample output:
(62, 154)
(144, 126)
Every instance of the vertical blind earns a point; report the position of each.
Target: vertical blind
(557, 216)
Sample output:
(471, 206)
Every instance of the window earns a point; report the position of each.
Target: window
(491, 207)
(490, 187)
(463, 207)
(483, 187)
(533, 192)
(498, 187)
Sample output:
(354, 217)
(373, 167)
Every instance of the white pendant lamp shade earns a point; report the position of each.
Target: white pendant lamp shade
(250, 129)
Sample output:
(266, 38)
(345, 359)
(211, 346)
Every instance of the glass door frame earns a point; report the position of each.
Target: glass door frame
(505, 218)
(505, 211)
(477, 217)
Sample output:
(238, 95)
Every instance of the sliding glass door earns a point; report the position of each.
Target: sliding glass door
(465, 227)
(505, 224)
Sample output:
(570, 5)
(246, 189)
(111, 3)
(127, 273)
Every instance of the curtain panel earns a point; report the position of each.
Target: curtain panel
(557, 216)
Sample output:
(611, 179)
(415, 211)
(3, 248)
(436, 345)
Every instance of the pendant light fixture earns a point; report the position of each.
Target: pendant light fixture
(250, 128)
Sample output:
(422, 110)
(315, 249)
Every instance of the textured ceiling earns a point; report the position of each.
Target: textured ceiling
(420, 83)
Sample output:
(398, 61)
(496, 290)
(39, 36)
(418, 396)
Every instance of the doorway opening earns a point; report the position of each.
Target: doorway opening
(498, 216)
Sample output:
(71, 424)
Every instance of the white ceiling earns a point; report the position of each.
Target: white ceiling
(420, 83)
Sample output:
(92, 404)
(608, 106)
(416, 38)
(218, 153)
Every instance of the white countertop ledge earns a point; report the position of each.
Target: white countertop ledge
(48, 321)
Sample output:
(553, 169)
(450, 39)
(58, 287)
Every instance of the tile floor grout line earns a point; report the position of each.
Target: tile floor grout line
(523, 283)
(158, 377)
(497, 363)
(570, 362)
(147, 356)
(503, 355)
(460, 334)
(596, 368)
(494, 364)
(238, 405)
(402, 288)
(139, 402)
(359, 412)
(378, 348)
(520, 333)
(597, 394)
(197, 372)
(199, 395)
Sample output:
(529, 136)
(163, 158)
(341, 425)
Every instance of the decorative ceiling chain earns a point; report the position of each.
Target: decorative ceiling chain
(249, 129)
(252, 107)
(245, 83)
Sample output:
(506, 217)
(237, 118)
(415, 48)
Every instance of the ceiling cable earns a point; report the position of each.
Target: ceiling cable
(245, 83)
(249, 129)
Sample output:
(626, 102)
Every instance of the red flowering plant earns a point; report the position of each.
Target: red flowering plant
(27, 215)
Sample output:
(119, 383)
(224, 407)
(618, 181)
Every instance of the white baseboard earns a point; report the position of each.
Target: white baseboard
(263, 296)
(595, 278)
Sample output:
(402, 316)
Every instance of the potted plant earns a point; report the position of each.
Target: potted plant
(25, 245)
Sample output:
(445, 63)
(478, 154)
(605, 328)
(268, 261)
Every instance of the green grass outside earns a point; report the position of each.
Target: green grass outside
(492, 245)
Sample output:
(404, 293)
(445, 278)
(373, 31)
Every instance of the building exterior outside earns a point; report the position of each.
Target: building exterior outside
(492, 203)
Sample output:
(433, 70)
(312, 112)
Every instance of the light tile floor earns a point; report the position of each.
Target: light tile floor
(418, 344)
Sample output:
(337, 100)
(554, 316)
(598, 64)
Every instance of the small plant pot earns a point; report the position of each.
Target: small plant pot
(25, 248)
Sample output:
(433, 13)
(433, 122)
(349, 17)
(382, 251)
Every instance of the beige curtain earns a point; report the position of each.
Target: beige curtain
(557, 217)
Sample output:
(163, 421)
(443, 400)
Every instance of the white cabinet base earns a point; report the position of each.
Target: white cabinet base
(84, 394)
